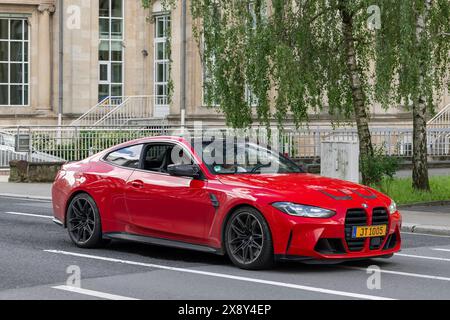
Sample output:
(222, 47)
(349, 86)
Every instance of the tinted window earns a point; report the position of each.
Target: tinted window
(126, 157)
(158, 157)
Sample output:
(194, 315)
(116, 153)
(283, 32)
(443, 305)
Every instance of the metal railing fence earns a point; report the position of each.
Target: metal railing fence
(72, 143)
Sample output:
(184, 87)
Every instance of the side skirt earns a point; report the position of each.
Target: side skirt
(59, 223)
(162, 242)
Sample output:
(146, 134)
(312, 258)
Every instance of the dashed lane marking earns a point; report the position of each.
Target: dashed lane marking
(421, 257)
(97, 294)
(406, 274)
(28, 215)
(442, 250)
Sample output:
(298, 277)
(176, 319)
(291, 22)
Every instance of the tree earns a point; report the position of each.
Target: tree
(300, 54)
(413, 49)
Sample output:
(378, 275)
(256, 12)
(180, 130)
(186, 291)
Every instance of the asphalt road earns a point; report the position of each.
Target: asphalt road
(35, 255)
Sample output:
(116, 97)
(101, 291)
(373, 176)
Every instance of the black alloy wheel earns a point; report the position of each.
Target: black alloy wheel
(248, 240)
(83, 222)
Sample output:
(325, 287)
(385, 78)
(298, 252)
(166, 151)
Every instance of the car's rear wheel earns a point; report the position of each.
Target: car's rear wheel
(248, 240)
(83, 222)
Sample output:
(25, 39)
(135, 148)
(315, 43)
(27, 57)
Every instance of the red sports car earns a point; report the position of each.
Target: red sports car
(163, 191)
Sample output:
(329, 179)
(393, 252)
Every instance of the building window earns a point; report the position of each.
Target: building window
(162, 60)
(208, 80)
(14, 62)
(111, 57)
(209, 86)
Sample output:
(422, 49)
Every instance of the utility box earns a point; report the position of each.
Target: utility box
(23, 143)
(340, 160)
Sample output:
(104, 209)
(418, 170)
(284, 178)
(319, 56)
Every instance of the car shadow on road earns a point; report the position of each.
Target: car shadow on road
(173, 255)
(167, 254)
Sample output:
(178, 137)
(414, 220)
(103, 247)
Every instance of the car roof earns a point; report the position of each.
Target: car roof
(151, 139)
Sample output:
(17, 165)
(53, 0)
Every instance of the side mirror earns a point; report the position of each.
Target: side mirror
(184, 170)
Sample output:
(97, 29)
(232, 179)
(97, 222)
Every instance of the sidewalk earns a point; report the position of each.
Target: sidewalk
(26, 190)
(421, 219)
(427, 220)
(433, 172)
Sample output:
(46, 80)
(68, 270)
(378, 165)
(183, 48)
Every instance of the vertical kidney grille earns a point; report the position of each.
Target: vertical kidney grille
(380, 216)
(355, 218)
(358, 218)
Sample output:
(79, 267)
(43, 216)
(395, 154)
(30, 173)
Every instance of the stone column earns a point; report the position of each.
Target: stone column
(44, 56)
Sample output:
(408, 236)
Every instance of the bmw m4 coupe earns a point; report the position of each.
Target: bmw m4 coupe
(168, 191)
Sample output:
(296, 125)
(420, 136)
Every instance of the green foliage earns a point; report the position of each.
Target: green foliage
(291, 52)
(410, 68)
(379, 166)
(165, 3)
(402, 192)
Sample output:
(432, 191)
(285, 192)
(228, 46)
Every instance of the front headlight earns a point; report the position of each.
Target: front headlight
(299, 210)
(393, 207)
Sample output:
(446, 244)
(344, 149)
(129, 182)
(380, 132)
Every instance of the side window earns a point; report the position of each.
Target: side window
(127, 157)
(158, 157)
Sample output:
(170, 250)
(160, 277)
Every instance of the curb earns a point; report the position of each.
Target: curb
(426, 229)
(21, 196)
(425, 204)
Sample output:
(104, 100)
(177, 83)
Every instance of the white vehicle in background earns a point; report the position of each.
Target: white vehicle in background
(8, 152)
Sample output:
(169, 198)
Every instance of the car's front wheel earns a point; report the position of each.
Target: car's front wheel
(83, 222)
(248, 240)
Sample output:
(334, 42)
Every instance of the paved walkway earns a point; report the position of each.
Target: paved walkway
(427, 219)
(432, 172)
(27, 190)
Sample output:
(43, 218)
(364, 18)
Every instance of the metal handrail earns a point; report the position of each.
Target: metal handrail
(103, 119)
(121, 111)
(441, 118)
(133, 107)
(76, 122)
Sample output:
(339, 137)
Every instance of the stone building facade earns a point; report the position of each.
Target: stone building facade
(51, 67)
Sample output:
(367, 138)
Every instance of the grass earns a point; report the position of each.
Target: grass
(403, 194)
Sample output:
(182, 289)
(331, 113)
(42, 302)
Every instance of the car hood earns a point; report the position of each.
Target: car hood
(308, 189)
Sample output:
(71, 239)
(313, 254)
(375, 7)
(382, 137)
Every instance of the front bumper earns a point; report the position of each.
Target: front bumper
(303, 239)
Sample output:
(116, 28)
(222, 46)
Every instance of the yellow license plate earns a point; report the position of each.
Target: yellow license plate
(369, 232)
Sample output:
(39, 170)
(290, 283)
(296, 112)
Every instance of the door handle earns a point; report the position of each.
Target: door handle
(137, 184)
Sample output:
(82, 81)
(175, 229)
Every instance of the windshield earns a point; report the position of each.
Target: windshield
(245, 158)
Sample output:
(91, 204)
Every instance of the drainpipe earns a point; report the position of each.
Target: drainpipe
(183, 61)
(61, 62)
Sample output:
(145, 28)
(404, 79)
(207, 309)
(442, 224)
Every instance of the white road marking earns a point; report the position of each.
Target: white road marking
(443, 250)
(29, 215)
(407, 274)
(26, 198)
(426, 235)
(421, 257)
(226, 276)
(92, 293)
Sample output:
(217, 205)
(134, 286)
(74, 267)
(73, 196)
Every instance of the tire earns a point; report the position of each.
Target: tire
(84, 223)
(248, 240)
